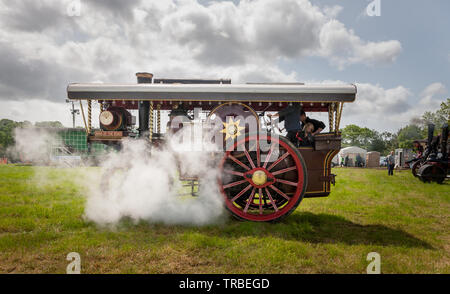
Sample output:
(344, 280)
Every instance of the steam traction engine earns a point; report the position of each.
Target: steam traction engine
(264, 177)
(434, 164)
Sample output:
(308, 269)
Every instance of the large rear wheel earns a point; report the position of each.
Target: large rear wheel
(262, 184)
(431, 173)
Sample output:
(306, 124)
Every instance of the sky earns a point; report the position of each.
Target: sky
(396, 52)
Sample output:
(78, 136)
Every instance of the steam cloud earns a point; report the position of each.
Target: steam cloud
(32, 145)
(145, 187)
(135, 183)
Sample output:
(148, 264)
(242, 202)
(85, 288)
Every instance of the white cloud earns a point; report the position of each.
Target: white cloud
(390, 109)
(48, 49)
(332, 11)
(34, 110)
(43, 49)
(432, 96)
(344, 48)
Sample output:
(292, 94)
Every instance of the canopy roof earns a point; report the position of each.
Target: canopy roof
(214, 92)
(352, 150)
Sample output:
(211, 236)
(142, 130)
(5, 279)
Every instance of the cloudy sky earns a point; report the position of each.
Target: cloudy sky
(400, 59)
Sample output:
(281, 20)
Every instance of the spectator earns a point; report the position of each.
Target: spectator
(359, 161)
(391, 163)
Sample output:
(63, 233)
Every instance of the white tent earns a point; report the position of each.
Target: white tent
(352, 152)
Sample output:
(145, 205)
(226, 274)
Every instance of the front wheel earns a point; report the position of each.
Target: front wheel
(263, 178)
(415, 167)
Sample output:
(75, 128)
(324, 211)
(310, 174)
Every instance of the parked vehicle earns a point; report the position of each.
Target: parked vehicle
(383, 161)
(434, 165)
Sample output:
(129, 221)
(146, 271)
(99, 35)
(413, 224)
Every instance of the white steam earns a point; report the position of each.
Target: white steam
(146, 187)
(135, 182)
(32, 145)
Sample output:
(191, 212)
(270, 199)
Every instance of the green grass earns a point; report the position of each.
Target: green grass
(406, 221)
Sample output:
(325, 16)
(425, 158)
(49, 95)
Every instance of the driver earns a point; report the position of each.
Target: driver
(291, 117)
(318, 125)
(295, 120)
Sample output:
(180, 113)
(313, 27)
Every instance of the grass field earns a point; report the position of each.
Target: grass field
(405, 221)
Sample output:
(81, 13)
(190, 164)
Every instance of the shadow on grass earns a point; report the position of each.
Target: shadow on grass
(320, 228)
(306, 227)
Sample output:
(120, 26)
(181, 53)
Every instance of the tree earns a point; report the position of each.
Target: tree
(407, 135)
(378, 144)
(390, 140)
(7, 127)
(49, 124)
(439, 117)
(353, 135)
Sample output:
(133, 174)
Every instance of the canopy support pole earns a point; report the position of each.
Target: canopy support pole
(338, 115)
(84, 119)
(150, 122)
(89, 124)
(330, 116)
(158, 119)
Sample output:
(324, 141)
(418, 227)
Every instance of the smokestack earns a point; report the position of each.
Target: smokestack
(444, 140)
(430, 134)
(144, 78)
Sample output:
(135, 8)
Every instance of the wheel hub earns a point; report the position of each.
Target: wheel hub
(259, 177)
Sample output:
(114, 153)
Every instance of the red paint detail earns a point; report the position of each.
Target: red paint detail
(279, 192)
(260, 201)
(249, 158)
(249, 201)
(258, 154)
(282, 171)
(233, 172)
(271, 199)
(268, 155)
(241, 193)
(291, 200)
(286, 182)
(278, 160)
(234, 184)
(238, 161)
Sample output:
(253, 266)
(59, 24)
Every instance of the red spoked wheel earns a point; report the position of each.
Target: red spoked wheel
(262, 184)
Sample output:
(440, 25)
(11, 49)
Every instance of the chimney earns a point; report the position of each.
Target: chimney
(144, 78)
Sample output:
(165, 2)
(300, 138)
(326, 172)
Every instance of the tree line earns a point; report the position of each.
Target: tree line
(384, 142)
(8, 126)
